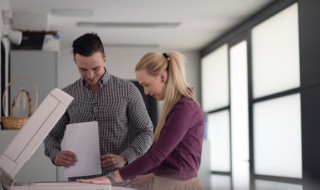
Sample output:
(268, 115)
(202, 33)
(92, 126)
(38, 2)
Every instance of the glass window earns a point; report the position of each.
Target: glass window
(219, 137)
(220, 182)
(215, 80)
(275, 53)
(268, 185)
(239, 115)
(277, 137)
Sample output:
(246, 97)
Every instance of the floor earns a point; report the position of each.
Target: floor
(225, 182)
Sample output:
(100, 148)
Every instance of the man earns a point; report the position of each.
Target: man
(115, 104)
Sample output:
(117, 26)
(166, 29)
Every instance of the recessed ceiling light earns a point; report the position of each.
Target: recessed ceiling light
(130, 24)
(72, 12)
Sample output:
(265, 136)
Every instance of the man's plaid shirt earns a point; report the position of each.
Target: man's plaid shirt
(117, 107)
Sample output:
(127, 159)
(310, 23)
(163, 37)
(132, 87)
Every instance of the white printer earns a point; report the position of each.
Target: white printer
(29, 139)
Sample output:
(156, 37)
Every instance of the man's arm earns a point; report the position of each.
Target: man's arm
(141, 123)
(52, 143)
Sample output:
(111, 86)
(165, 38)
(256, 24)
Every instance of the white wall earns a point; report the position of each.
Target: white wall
(4, 5)
(121, 63)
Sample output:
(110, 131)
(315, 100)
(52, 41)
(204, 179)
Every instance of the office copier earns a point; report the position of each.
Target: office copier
(29, 139)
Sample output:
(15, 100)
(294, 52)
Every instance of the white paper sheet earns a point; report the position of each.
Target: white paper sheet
(83, 140)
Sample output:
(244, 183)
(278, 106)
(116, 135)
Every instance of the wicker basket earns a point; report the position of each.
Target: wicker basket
(13, 121)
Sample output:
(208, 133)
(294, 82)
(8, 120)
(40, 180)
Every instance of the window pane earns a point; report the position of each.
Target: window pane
(277, 137)
(239, 115)
(219, 137)
(268, 185)
(214, 79)
(204, 172)
(220, 182)
(275, 53)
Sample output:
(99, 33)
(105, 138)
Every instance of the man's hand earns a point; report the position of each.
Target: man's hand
(113, 161)
(65, 158)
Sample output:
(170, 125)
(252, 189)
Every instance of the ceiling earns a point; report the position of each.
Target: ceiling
(199, 22)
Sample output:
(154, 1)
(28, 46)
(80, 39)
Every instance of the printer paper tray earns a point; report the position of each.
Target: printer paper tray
(59, 186)
(64, 186)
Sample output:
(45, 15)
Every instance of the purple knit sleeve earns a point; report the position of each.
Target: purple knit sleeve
(178, 123)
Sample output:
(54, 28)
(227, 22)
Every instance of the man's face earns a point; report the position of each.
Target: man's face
(91, 68)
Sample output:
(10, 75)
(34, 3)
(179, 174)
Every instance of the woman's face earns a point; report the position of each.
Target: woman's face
(152, 85)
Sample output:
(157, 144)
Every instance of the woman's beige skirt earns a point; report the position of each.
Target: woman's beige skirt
(162, 183)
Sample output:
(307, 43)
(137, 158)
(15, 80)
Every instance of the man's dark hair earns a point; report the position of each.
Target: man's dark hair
(87, 44)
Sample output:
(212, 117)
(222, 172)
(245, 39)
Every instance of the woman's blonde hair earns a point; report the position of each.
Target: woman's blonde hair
(173, 63)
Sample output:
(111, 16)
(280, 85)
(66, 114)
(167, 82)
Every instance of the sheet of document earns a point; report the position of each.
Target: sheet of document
(83, 140)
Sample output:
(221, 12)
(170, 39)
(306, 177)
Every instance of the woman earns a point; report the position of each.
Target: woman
(175, 155)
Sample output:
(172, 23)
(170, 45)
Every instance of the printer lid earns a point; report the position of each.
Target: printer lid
(32, 134)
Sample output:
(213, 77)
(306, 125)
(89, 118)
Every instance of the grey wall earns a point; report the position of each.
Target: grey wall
(309, 29)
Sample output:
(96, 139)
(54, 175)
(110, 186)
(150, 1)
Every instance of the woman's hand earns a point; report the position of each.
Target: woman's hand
(98, 180)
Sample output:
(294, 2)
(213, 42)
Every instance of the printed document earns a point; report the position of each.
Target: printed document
(83, 140)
